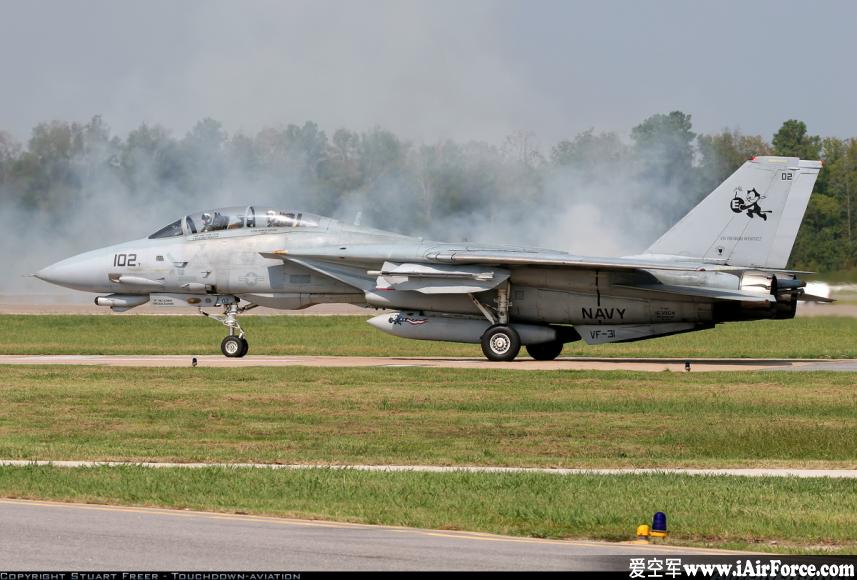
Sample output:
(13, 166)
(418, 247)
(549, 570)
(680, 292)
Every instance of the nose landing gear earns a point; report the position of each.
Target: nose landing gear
(234, 345)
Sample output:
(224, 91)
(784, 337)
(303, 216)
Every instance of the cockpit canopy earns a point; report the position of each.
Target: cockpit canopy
(233, 218)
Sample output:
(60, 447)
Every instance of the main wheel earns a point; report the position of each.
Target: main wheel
(501, 343)
(246, 346)
(233, 347)
(545, 350)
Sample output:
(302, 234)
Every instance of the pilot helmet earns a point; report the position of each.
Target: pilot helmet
(206, 218)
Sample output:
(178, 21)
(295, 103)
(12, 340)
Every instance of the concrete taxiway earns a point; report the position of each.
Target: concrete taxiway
(40, 535)
(581, 363)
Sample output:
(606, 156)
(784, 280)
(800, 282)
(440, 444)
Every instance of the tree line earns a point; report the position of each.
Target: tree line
(664, 163)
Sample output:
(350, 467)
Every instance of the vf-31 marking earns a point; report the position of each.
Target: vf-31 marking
(710, 267)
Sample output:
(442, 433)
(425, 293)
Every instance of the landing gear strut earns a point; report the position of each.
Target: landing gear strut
(500, 342)
(234, 345)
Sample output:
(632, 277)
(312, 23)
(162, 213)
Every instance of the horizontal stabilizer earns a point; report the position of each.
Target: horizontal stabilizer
(814, 298)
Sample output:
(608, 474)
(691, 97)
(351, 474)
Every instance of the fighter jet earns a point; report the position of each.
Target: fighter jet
(724, 261)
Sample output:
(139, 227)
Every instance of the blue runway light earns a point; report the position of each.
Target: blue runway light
(659, 522)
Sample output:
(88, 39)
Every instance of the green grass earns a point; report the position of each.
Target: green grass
(429, 416)
(823, 337)
(764, 514)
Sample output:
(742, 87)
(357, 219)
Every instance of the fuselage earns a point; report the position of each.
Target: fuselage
(237, 261)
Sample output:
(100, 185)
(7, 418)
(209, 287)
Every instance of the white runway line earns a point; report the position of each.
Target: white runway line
(738, 472)
(571, 363)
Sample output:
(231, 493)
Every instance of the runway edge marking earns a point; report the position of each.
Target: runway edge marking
(728, 472)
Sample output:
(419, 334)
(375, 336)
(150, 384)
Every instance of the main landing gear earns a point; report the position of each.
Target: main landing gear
(501, 342)
(234, 345)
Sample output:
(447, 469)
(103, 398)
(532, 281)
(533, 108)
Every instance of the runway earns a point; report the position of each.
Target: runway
(40, 535)
(524, 364)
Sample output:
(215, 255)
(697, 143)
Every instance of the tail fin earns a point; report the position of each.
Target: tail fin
(751, 219)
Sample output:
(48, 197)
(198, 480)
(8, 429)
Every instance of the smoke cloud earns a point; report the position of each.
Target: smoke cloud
(95, 188)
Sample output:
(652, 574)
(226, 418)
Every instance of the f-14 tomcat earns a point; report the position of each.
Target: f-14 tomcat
(724, 261)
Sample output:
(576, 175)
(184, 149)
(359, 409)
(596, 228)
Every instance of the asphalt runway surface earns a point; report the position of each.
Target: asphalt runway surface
(40, 535)
(524, 364)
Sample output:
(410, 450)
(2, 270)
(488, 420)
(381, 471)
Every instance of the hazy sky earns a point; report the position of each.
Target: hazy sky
(430, 70)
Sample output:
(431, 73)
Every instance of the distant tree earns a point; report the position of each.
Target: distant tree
(340, 171)
(440, 172)
(663, 147)
(819, 245)
(841, 162)
(9, 152)
(792, 141)
(241, 151)
(45, 172)
(151, 161)
(485, 174)
(381, 153)
(202, 153)
(521, 147)
(722, 153)
(589, 152)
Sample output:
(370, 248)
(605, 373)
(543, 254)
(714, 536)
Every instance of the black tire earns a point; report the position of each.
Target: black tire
(246, 346)
(501, 343)
(232, 346)
(545, 350)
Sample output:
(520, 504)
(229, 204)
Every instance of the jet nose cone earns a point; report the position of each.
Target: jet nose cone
(61, 274)
(48, 274)
(83, 272)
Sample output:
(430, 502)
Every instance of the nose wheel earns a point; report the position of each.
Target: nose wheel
(234, 345)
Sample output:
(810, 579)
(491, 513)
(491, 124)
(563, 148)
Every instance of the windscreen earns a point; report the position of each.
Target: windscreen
(170, 231)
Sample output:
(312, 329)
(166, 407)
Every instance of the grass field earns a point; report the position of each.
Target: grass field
(760, 514)
(442, 417)
(350, 335)
(429, 416)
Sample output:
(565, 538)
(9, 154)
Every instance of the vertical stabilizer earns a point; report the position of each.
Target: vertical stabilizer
(751, 219)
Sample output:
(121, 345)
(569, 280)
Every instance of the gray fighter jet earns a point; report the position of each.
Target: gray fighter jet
(724, 261)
